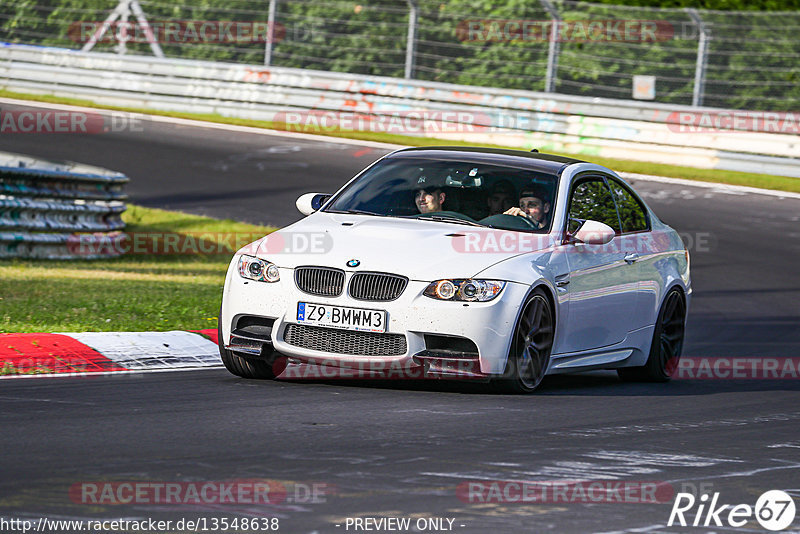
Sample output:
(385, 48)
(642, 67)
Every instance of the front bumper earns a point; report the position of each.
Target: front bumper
(487, 324)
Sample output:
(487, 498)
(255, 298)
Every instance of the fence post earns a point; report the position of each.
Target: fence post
(270, 32)
(123, 11)
(552, 50)
(148, 31)
(411, 39)
(702, 58)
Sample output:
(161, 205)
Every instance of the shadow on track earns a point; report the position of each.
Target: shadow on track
(593, 383)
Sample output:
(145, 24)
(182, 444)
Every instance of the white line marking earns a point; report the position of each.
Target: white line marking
(204, 124)
(675, 426)
(721, 188)
(660, 460)
(103, 373)
(29, 399)
(739, 473)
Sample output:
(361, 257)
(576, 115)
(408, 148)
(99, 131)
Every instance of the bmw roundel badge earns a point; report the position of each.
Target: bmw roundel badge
(353, 263)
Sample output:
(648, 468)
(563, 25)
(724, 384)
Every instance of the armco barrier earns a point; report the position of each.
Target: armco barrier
(526, 119)
(45, 206)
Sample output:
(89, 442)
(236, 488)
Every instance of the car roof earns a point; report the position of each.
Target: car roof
(536, 161)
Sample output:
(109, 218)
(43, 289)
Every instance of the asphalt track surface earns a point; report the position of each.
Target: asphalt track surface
(400, 449)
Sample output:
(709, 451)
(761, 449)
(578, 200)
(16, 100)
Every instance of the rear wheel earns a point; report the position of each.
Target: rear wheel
(531, 345)
(665, 351)
(268, 366)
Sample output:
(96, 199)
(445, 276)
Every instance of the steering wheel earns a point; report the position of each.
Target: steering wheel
(532, 224)
(445, 213)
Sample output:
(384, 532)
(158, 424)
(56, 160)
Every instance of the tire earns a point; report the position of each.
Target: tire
(531, 345)
(665, 350)
(267, 367)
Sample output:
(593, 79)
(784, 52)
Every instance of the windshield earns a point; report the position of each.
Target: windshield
(490, 195)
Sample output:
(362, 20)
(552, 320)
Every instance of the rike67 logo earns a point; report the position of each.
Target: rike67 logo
(774, 510)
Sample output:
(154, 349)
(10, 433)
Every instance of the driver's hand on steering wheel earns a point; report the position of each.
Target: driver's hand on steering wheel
(515, 211)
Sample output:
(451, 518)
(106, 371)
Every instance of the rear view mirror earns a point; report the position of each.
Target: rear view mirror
(594, 233)
(311, 202)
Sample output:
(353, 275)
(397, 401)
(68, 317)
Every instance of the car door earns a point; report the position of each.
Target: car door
(601, 287)
(641, 251)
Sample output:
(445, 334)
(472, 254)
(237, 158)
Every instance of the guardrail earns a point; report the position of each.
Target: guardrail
(55, 211)
(661, 133)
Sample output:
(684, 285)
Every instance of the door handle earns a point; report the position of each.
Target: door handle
(632, 257)
(562, 280)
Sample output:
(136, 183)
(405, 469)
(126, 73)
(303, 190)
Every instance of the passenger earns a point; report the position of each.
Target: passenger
(429, 196)
(501, 197)
(533, 204)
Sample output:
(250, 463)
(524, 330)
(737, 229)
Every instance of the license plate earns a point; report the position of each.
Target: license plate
(342, 317)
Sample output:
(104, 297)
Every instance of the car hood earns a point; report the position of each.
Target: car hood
(418, 249)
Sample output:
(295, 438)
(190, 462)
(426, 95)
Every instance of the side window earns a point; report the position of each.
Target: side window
(591, 199)
(631, 212)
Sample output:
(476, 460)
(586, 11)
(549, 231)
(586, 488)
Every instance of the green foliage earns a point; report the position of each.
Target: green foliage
(592, 200)
(722, 5)
(631, 213)
(752, 62)
(357, 37)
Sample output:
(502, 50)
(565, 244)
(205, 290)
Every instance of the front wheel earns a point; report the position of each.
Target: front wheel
(531, 345)
(264, 368)
(665, 351)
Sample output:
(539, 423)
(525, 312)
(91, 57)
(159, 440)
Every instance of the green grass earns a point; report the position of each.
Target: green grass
(9, 368)
(765, 181)
(130, 293)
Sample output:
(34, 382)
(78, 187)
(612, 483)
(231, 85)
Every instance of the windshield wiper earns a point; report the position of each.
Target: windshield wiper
(359, 212)
(445, 218)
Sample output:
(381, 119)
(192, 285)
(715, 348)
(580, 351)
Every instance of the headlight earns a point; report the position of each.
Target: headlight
(259, 270)
(464, 290)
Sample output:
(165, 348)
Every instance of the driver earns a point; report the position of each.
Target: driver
(428, 196)
(533, 204)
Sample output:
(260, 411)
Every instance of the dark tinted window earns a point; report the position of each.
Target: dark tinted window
(591, 199)
(472, 191)
(631, 212)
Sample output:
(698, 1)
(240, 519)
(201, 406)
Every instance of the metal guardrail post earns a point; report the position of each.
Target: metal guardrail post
(411, 40)
(270, 32)
(553, 48)
(702, 57)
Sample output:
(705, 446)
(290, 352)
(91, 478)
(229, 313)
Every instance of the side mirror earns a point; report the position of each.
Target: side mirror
(594, 233)
(311, 202)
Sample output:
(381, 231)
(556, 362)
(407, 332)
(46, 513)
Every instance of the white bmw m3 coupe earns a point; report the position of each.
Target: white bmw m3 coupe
(471, 263)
